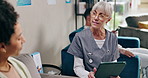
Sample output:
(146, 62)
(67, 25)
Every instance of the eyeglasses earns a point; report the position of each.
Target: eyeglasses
(100, 16)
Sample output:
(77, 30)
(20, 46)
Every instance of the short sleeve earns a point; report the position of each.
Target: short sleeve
(76, 47)
(116, 53)
(71, 36)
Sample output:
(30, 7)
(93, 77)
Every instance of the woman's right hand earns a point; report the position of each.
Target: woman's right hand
(126, 52)
(91, 74)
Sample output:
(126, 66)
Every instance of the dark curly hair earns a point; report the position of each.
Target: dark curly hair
(8, 19)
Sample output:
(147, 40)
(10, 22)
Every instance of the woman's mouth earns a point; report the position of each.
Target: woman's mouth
(95, 22)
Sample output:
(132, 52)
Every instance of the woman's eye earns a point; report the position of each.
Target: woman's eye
(94, 13)
(102, 15)
(19, 38)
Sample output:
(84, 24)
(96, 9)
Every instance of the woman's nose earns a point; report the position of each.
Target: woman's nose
(23, 39)
(96, 17)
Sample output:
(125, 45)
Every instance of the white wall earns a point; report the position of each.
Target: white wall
(144, 1)
(46, 27)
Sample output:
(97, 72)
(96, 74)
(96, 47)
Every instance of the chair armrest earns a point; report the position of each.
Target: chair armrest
(51, 69)
(129, 42)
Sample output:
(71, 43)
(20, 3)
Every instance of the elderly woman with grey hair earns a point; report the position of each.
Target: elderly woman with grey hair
(94, 45)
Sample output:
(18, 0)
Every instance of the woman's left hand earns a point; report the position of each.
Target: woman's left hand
(91, 74)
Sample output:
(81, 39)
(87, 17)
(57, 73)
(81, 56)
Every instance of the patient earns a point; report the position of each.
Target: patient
(11, 43)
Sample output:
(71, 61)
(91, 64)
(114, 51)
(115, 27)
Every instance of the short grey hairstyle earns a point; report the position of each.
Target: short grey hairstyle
(104, 6)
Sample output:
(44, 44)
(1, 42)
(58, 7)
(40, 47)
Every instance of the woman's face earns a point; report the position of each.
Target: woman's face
(98, 18)
(16, 41)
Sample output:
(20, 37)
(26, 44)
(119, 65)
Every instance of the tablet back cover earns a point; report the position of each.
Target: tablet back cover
(107, 69)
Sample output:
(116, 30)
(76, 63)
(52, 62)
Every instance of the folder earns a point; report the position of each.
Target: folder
(107, 69)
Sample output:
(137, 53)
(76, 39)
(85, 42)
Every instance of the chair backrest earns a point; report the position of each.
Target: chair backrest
(30, 64)
(132, 21)
(67, 62)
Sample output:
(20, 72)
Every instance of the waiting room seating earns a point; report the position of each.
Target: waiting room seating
(30, 64)
(133, 28)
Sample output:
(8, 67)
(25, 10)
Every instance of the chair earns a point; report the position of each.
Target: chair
(67, 62)
(132, 21)
(30, 64)
(134, 29)
(132, 67)
(45, 68)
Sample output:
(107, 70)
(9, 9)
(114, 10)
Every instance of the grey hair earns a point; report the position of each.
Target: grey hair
(104, 6)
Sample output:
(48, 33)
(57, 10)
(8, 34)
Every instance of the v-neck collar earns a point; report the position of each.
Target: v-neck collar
(94, 42)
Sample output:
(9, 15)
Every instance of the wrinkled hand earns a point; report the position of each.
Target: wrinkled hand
(114, 77)
(129, 54)
(126, 52)
(91, 74)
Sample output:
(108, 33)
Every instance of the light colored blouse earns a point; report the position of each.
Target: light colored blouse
(12, 73)
(19, 67)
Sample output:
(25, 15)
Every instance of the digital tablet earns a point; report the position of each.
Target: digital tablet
(107, 69)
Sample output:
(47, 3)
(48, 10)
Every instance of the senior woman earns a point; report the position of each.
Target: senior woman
(94, 45)
(11, 42)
